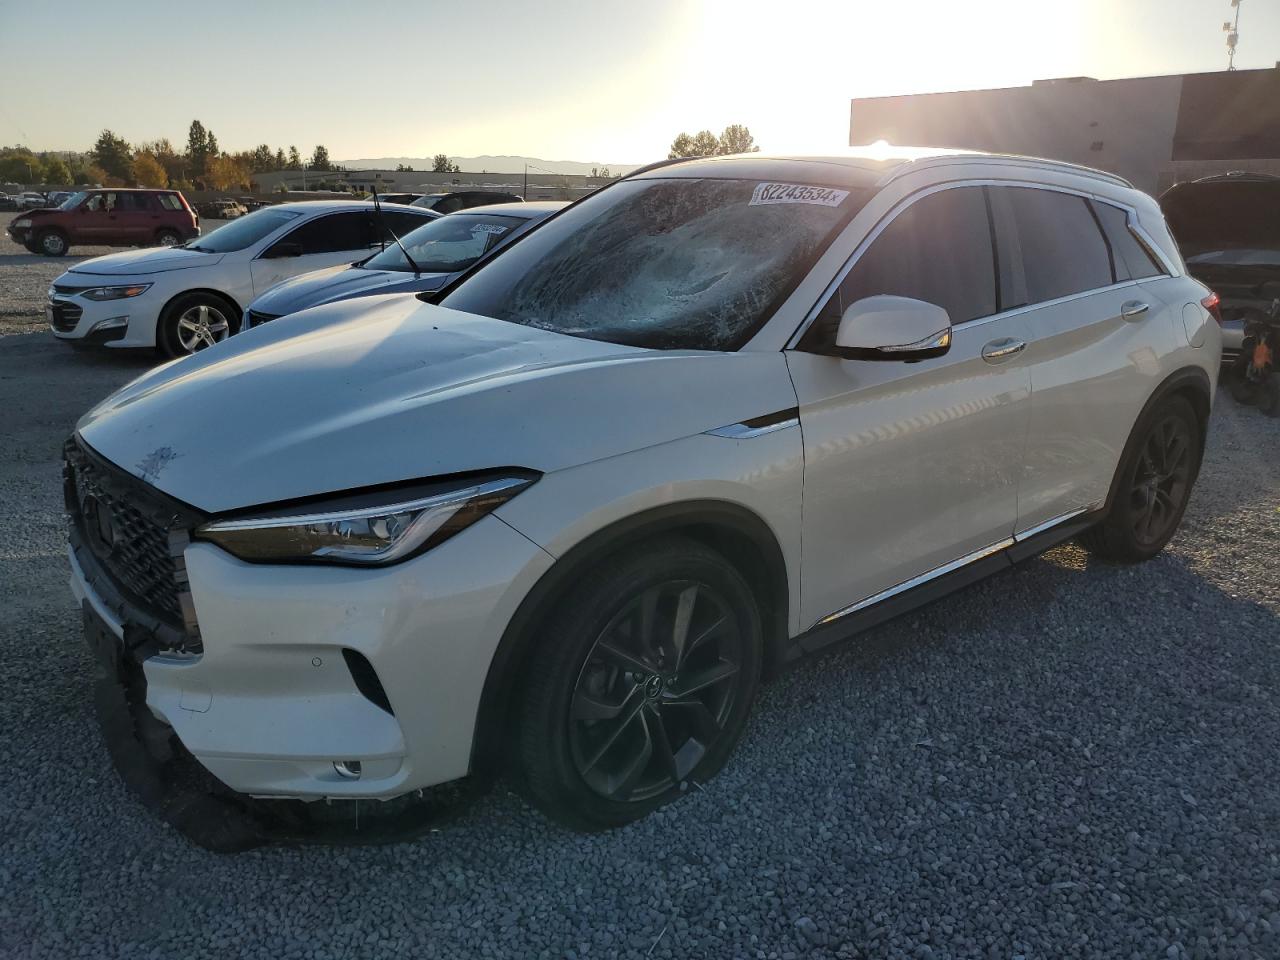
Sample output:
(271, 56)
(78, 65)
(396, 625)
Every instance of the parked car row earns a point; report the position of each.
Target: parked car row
(548, 520)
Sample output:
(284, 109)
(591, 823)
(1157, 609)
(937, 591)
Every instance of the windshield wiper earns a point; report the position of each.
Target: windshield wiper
(377, 208)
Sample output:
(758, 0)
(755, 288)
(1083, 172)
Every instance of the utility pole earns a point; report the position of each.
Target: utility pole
(525, 192)
(1232, 29)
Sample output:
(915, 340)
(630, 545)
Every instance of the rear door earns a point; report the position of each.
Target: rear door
(1097, 328)
(136, 218)
(911, 467)
(324, 241)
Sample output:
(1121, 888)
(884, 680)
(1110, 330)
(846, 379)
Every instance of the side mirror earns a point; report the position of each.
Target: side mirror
(284, 250)
(893, 328)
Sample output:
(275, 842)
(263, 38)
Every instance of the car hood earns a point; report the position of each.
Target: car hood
(388, 389)
(150, 260)
(340, 283)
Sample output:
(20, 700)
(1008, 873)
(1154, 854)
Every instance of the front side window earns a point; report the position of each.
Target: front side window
(73, 201)
(1059, 243)
(937, 250)
(334, 233)
(670, 264)
(244, 232)
(448, 244)
(101, 203)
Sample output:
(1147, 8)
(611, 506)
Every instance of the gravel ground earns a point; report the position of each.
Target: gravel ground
(1072, 759)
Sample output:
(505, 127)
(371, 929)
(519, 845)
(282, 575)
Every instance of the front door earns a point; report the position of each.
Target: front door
(911, 466)
(326, 241)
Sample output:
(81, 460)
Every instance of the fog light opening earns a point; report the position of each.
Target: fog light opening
(347, 769)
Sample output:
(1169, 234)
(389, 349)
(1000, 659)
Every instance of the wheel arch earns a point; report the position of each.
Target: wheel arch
(226, 298)
(1191, 383)
(737, 533)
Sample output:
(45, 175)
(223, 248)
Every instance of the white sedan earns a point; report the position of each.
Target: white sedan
(183, 299)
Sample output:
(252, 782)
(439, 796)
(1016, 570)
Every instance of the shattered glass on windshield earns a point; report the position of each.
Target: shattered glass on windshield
(675, 263)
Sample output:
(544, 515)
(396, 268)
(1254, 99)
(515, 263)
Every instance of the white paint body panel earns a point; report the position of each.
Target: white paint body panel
(239, 275)
(892, 471)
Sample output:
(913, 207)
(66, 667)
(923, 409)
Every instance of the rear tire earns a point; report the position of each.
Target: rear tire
(1153, 485)
(642, 681)
(1267, 396)
(52, 243)
(168, 238)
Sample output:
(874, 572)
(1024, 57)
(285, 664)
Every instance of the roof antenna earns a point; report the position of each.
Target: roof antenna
(384, 229)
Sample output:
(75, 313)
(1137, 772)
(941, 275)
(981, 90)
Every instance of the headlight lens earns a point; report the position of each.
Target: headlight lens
(375, 533)
(22, 222)
(116, 293)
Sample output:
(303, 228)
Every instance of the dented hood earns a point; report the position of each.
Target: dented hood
(385, 389)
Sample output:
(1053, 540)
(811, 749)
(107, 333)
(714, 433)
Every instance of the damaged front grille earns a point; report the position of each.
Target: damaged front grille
(129, 533)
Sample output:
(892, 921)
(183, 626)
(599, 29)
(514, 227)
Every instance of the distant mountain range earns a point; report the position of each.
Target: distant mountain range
(492, 164)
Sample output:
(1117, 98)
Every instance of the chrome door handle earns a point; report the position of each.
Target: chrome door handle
(1133, 309)
(998, 351)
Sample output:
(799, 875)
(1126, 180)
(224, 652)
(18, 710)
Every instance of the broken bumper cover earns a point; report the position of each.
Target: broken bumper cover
(275, 699)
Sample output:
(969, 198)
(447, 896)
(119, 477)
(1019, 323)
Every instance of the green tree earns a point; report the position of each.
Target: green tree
(197, 148)
(56, 171)
(262, 159)
(682, 146)
(211, 146)
(440, 163)
(705, 144)
(280, 160)
(737, 139)
(295, 159)
(403, 168)
(320, 158)
(114, 155)
(20, 165)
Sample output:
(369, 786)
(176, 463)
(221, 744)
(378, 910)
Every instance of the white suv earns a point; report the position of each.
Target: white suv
(711, 418)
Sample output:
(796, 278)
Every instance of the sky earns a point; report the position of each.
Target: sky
(601, 81)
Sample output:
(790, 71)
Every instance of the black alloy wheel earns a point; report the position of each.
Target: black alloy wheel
(1153, 484)
(655, 692)
(1162, 481)
(640, 682)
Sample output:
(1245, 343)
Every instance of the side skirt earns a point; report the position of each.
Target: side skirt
(829, 632)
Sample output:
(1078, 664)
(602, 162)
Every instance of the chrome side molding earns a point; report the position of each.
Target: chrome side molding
(957, 564)
(758, 426)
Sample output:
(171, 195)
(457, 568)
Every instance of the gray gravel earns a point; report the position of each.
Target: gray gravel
(1070, 760)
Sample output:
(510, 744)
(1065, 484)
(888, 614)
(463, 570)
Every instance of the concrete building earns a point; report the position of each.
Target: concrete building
(1155, 131)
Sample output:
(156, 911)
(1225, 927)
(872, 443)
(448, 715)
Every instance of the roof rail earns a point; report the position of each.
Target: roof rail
(657, 165)
(1041, 162)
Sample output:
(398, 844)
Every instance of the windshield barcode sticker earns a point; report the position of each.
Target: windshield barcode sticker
(490, 228)
(766, 193)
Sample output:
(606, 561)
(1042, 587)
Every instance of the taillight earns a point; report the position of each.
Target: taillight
(1210, 303)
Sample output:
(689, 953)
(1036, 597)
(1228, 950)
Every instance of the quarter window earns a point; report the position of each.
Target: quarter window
(937, 250)
(1133, 262)
(1060, 245)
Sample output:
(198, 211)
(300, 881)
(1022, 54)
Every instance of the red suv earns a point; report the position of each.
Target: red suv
(110, 217)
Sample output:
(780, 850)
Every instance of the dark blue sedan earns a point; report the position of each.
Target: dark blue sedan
(440, 250)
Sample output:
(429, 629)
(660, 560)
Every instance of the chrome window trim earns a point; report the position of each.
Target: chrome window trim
(957, 564)
(908, 201)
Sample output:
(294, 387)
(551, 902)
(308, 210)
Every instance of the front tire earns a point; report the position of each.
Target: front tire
(642, 681)
(193, 322)
(1157, 471)
(52, 243)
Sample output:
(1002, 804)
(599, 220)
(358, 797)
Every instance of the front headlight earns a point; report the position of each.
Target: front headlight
(115, 293)
(366, 529)
(22, 222)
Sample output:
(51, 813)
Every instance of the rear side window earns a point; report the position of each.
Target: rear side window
(937, 250)
(1061, 247)
(333, 233)
(1133, 262)
(134, 201)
